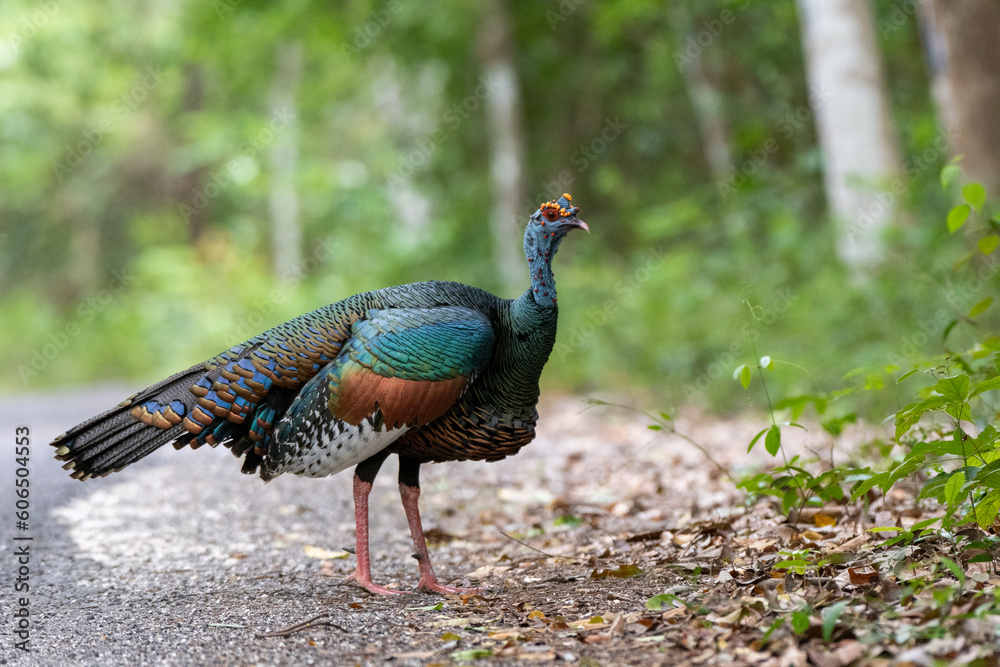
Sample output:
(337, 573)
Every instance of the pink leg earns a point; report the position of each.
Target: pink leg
(428, 582)
(363, 574)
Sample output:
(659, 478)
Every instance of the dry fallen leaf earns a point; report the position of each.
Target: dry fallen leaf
(535, 653)
(486, 571)
(762, 544)
(623, 572)
(859, 578)
(731, 618)
(673, 613)
(840, 654)
(851, 544)
(323, 554)
(793, 657)
(454, 622)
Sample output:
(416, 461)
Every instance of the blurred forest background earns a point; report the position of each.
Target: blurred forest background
(177, 176)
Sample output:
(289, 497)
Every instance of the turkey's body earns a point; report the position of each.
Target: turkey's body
(433, 371)
(493, 418)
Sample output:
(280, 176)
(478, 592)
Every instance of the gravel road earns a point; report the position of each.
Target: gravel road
(179, 560)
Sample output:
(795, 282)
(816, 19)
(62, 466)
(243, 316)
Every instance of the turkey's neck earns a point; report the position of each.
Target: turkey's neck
(532, 335)
(532, 329)
(543, 283)
(534, 318)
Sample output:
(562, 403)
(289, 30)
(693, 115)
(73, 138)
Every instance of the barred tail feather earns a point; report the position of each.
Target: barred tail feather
(133, 429)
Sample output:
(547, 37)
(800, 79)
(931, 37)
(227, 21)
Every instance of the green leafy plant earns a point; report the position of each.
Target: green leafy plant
(792, 482)
(945, 439)
(797, 562)
(965, 467)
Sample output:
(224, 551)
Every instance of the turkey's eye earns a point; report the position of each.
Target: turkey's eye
(551, 215)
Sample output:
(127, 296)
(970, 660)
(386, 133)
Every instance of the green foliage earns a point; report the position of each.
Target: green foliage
(792, 482)
(975, 194)
(957, 217)
(971, 491)
(568, 521)
(945, 439)
(646, 298)
(800, 620)
(665, 600)
(471, 654)
(796, 486)
(830, 617)
(797, 562)
(949, 174)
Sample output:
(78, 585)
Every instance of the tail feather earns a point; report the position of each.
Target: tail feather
(139, 449)
(115, 438)
(100, 447)
(227, 400)
(103, 427)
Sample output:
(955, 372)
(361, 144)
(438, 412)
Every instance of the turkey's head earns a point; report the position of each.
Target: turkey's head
(546, 230)
(547, 227)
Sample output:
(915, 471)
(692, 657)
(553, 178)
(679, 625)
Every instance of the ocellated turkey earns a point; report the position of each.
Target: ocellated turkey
(432, 371)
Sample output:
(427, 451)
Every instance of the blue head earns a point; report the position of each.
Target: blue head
(549, 225)
(546, 229)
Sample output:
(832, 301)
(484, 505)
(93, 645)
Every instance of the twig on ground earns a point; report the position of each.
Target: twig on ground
(301, 626)
(524, 544)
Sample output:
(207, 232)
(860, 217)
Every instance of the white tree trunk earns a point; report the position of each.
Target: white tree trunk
(286, 228)
(503, 117)
(963, 53)
(849, 99)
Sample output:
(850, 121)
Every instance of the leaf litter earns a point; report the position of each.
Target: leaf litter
(609, 548)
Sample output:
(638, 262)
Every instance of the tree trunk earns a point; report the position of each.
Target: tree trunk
(704, 94)
(85, 248)
(286, 228)
(506, 143)
(190, 185)
(962, 40)
(849, 99)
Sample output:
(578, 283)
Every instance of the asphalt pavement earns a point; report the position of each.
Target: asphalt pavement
(179, 559)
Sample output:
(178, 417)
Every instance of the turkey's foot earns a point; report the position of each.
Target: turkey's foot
(409, 491)
(366, 583)
(432, 585)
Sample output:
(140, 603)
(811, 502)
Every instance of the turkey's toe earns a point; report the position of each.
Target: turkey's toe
(433, 586)
(370, 586)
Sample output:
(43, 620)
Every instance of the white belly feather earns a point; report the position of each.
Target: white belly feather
(340, 446)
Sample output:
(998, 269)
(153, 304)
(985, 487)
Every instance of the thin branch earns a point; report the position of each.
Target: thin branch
(524, 544)
(301, 627)
(665, 427)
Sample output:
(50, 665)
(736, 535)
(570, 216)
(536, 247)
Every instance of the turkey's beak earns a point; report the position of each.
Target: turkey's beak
(579, 224)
